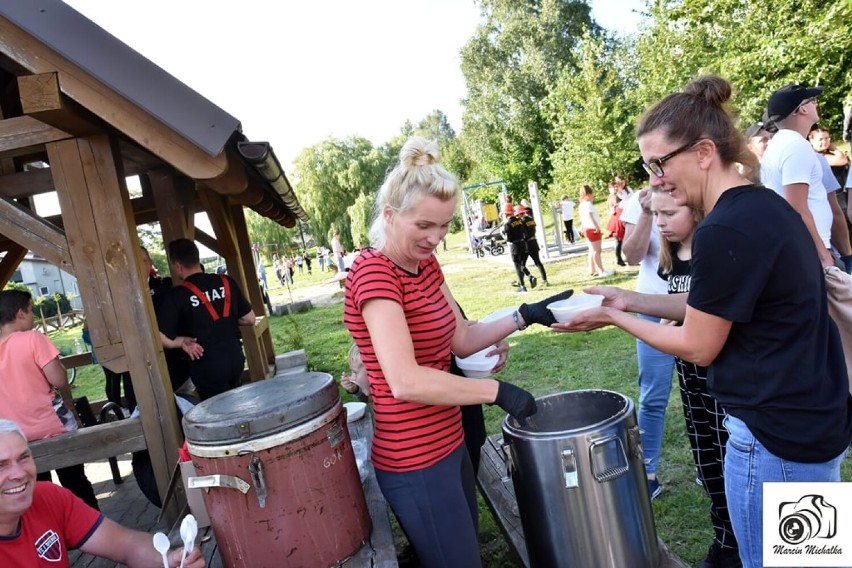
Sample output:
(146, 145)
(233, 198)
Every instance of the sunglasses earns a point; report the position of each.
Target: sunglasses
(655, 166)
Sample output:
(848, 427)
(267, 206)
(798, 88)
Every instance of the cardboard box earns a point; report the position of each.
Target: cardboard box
(194, 497)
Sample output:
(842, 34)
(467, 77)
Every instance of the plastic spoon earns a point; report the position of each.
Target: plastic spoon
(188, 532)
(162, 544)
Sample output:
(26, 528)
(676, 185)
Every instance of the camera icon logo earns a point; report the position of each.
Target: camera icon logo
(809, 517)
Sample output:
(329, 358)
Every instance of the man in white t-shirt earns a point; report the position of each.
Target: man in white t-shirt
(791, 168)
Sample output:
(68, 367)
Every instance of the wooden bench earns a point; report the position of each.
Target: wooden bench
(499, 494)
(89, 444)
(377, 552)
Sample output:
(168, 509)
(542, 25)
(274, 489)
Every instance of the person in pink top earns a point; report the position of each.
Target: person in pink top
(34, 390)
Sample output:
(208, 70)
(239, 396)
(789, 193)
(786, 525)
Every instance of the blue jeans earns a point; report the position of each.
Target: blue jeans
(437, 509)
(748, 464)
(656, 370)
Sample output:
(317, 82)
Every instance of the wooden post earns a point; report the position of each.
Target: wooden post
(98, 220)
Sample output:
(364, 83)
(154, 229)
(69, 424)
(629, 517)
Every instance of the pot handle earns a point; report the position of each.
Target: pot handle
(608, 459)
(569, 468)
(218, 480)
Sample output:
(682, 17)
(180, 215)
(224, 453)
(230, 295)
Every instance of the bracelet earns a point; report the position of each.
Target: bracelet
(517, 317)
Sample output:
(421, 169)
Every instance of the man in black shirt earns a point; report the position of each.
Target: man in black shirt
(210, 308)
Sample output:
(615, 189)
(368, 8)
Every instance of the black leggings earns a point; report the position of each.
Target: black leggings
(437, 509)
(569, 230)
(707, 439)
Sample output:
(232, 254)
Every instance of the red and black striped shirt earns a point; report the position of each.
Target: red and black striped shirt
(408, 436)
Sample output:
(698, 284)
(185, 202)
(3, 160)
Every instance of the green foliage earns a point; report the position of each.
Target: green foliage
(510, 66)
(47, 305)
(361, 215)
(20, 286)
(758, 46)
(592, 121)
(269, 235)
(331, 175)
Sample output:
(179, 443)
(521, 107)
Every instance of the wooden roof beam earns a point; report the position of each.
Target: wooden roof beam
(35, 233)
(14, 255)
(42, 99)
(22, 134)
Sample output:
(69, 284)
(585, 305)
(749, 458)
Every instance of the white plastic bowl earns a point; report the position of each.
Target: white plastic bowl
(564, 310)
(355, 410)
(477, 366)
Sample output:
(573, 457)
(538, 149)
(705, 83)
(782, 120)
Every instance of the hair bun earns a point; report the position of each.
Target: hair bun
(419, 151)
(715, 90)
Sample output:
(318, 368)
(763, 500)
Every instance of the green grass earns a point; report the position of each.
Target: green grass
(539, 360)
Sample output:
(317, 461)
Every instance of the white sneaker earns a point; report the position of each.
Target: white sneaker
(604, 274)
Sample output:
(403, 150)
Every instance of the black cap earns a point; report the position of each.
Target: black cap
(785, 100)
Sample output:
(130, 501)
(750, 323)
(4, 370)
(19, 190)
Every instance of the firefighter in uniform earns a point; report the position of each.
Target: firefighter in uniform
(516, 235)
(210, 308)
(532, 244)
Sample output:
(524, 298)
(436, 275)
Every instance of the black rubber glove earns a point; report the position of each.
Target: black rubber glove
(538, 312)
(516, 401)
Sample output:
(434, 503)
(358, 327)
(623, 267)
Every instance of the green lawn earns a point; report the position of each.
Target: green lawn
(540, 361)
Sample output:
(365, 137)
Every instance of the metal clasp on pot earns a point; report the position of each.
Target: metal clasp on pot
(257, 479)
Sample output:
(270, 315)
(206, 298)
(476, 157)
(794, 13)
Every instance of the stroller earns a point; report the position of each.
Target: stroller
(489, 240)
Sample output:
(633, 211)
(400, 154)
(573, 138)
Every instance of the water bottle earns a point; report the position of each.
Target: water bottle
(78, 347)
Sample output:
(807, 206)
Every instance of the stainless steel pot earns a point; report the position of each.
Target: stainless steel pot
(577, 468)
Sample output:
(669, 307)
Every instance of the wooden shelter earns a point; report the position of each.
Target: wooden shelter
(80, 112)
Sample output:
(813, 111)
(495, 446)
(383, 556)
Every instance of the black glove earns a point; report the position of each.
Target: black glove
(516, 401)
(538, 312)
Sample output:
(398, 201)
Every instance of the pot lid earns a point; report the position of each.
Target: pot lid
(260, 409)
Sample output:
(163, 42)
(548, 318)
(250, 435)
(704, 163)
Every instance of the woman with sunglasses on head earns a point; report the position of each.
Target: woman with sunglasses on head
(756, 313)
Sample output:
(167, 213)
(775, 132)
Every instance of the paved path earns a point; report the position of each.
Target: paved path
(122, 503)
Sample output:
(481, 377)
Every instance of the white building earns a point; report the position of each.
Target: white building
(45, 279)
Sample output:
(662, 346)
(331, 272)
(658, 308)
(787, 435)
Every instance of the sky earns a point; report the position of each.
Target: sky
(297, 72)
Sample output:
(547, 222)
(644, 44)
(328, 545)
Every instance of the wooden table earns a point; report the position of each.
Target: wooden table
(378, 551)
(499, 493)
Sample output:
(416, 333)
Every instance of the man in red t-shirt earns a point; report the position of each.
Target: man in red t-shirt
(40, 522)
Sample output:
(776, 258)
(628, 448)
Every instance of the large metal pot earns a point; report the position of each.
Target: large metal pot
(277, 460)
(577, 468)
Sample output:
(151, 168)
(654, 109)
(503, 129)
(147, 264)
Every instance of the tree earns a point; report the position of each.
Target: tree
(330, 177)
(757, 46)
(510, 67)
(361, 214)
(593, 120)
(268, 235)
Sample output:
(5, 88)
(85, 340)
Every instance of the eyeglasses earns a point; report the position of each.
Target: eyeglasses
(808, 100)
(655, 166)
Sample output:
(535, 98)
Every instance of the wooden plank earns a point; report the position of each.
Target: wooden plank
(499, 494)
(15, 253)
(27, 229)
(379, 551)
(22, 135)
(25, 184)
(89, 444)
(99, 99)
(173, 204)
(42, 99)
(104, 245)
(76, 360)
(252, 288)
